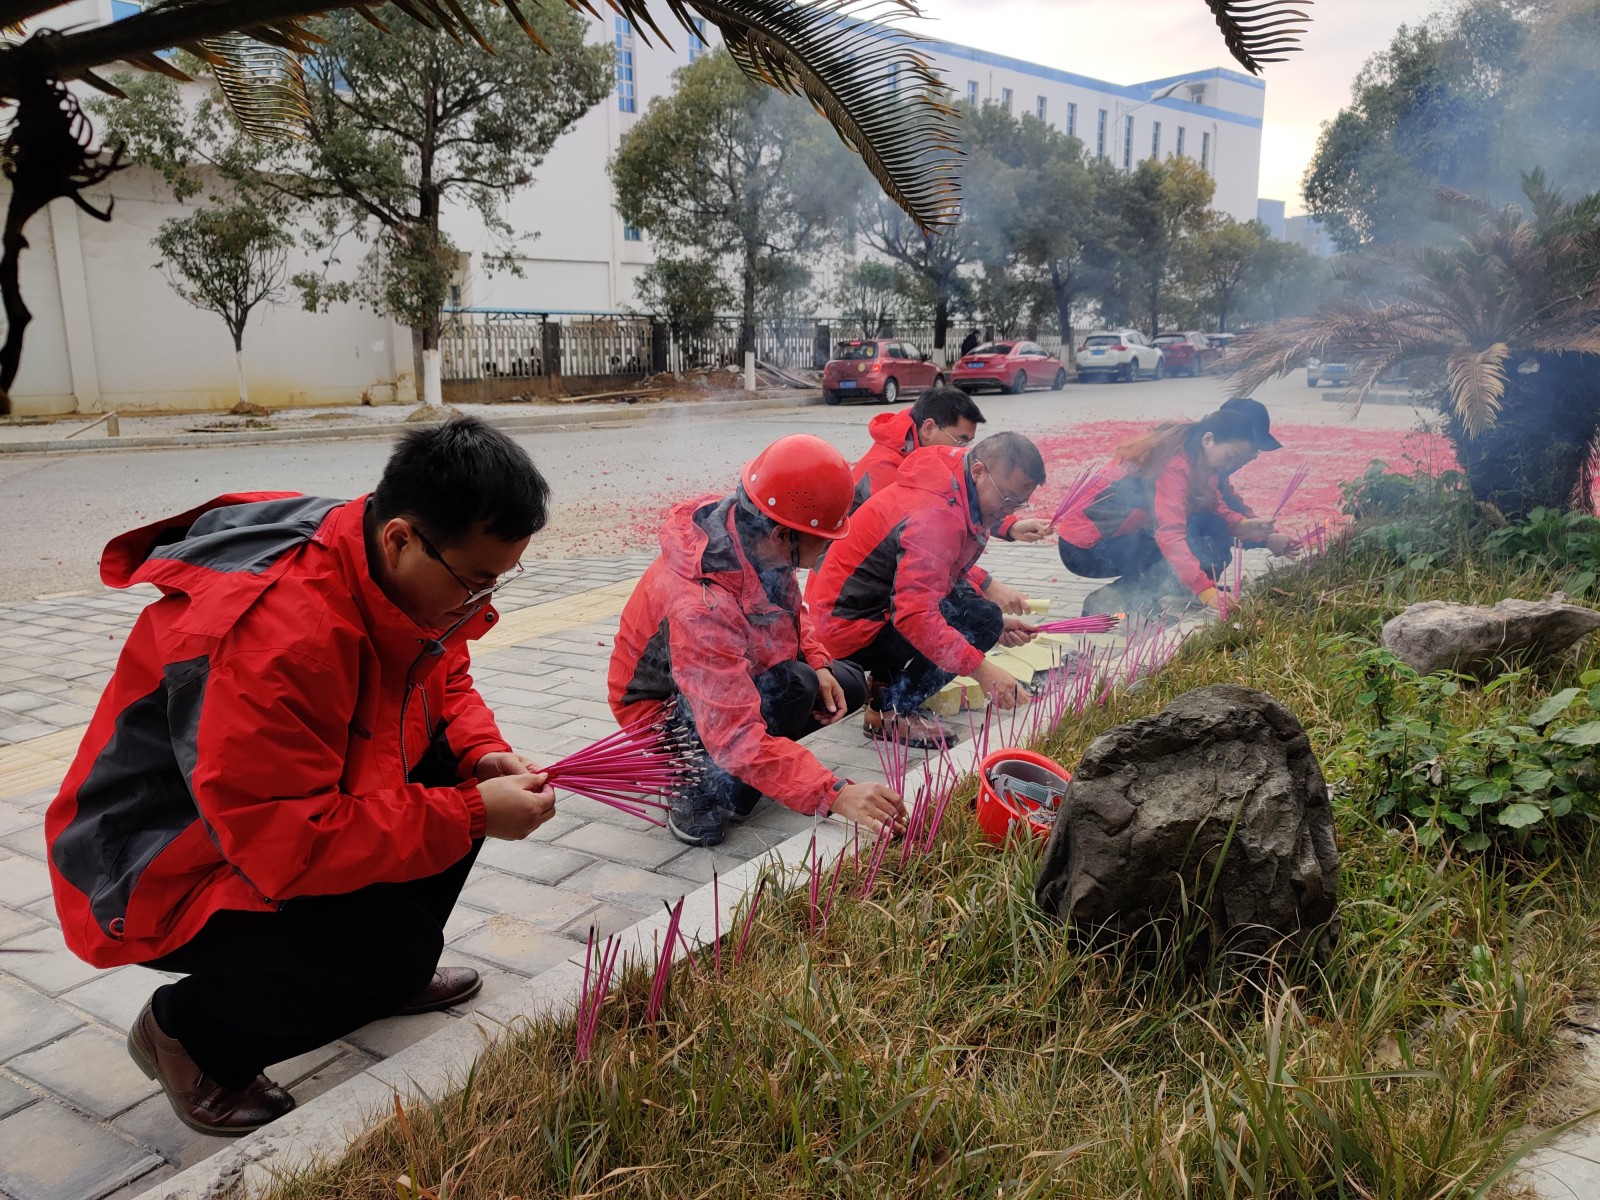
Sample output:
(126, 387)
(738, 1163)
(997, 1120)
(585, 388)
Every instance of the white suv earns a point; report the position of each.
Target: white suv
(1122, 354)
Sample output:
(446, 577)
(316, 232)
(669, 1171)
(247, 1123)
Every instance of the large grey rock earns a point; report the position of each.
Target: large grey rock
(1216, 802)
(1470, 638)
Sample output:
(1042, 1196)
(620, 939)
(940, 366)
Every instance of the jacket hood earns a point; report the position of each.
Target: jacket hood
(699, 541)
(894, 431)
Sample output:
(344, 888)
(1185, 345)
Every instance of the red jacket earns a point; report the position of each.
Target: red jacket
(255, 740)
(908, 548)
(894, 435)
(1131, 503)
(701, 624)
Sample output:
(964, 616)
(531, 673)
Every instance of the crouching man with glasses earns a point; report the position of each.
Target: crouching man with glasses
(290, 773)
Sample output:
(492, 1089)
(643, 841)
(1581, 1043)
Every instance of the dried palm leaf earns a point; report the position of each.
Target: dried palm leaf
(1477, 382)
(264, 85)
(1259, 33)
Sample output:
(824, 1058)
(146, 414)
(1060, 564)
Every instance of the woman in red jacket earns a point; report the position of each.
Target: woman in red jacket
(1162, 527)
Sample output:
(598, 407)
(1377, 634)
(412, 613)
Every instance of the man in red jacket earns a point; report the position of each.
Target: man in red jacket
(894, 597)
(715, 628)
(289, 775)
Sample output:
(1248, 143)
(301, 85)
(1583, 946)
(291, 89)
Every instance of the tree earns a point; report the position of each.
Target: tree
(1505, 316)
(1284, 280)
(228, 261)
(932, 263)
(851, 70)
(870, 296)
(1218, 259)
(722, 167)
(686, 293)
(395, 129)
(1163, 204)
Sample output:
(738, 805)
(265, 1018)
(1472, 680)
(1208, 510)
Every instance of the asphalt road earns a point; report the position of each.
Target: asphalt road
(609, 480)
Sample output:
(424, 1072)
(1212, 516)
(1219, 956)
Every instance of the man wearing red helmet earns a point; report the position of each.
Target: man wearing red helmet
(716, 629)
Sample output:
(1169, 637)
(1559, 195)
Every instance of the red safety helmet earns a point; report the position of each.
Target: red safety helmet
(803, 483)
(1013, 786)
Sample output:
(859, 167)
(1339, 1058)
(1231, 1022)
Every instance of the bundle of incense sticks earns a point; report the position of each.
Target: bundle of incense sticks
(893, 752)
(1314, 540)
(870, 875)
(596, 984)
(1081, 489)
(749, 920)
(658, 986)
(1103, 623)
(1301, 473)
(625, 770)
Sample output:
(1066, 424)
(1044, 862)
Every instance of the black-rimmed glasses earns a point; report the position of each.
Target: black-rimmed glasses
(474, 594)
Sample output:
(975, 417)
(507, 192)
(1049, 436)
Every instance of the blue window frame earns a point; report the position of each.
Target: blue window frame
(1005, 99)
(1072, 120)
(1205, 151)
(627, 100)
(1127, 143)
(1100, 136)
(972, 91)
(1040, 108)
(1180, 141)
(630, 233)
(697, 39)
(1155, 139)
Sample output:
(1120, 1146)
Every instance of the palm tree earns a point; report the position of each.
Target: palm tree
(852, 68)
(1506, 317)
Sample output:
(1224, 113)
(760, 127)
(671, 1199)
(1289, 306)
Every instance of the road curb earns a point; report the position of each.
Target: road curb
(526, 422)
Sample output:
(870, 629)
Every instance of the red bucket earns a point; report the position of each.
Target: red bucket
(1019, 785)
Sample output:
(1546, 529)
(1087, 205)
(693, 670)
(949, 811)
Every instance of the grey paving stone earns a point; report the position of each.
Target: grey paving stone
(546, 907)
(63, 715)
(14, 1096)
(534, 860)
(596, 709)
(628, 887)
(154, 1124)
(22, 880)
(21, 701)
(15, 922)
(292, 1070)
(696, 866)
(557, 826)
(508, 714)
(115, 997)
(26, 731)
(45, 910)
(515, 945)
(28, 1019)
(331, 1075)
(90, 1069)
(144, 1185)
(462, 920)
(620, 845)
(50, 1153)
(605, 920)
(52, 969)
(383, 1038)
(29, 841)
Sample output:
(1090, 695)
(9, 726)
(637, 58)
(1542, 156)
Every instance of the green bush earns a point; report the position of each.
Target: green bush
(1472, 766)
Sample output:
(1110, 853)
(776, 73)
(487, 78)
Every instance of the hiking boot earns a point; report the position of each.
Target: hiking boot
(699, 824)
(920, 730)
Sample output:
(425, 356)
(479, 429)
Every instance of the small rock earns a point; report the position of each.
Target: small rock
(1218, 803)
(1437, 635)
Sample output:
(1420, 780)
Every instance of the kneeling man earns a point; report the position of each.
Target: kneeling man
(716, 629)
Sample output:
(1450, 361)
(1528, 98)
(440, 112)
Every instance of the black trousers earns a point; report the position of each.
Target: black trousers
(260, 987)
(908, 676)
(788, 704)
(1132, 555)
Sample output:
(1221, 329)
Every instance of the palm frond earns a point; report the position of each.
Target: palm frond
(866, 79)
(1259, 33)
(1477, 383)
(264, 85)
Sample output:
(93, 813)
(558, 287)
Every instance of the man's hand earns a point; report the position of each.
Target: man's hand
(1001, 686)
(1211, 599)
(1282, 545)
(503, 762)
(515, 805)
(1256, 529)
(870, 805)
(1007, 597)
(831, 703)
(1017, 632)
(1034, 529)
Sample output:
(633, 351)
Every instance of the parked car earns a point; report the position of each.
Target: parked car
(1318, 371)
(1221, 341)
(881, 369)
(1010, 366)
(1119, 354)
(1188, 353)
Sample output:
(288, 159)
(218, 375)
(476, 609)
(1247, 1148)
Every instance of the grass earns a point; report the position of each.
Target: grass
(941, 1039)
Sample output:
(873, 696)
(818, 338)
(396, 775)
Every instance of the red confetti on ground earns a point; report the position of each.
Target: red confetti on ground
(1334, 453)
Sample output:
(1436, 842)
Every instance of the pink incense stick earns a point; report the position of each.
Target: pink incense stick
(626, 769)
(716, 921)
(749, 920)
(658, 986)
(1301, 474)
(1081, 490)
(1103, 623)
(596, 984)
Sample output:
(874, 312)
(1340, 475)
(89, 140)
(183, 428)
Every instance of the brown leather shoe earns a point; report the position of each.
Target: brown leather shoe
(201, 1102)
(450, 986)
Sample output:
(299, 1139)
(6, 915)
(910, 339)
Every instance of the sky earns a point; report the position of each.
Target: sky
(1125, 41)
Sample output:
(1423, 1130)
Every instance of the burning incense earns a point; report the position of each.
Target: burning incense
(658, 986)
(1301, 474)
(1081, 489)
(1103, 623)
(596, 985)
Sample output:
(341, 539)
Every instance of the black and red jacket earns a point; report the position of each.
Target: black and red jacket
(255, 741)
(908, 548)
(701, 624)
(894, 436)
(1133, 502)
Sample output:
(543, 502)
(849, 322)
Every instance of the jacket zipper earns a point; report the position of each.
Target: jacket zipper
(431, 648)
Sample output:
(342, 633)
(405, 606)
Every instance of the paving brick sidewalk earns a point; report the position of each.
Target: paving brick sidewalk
(78, 1121)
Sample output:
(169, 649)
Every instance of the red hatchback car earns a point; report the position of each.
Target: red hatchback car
(881, 369)
(1188, 353)
(1009, 367)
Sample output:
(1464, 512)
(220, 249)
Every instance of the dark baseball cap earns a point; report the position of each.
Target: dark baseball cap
(1260, 424)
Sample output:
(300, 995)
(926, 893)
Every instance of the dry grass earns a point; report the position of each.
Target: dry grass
(941, 1039)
